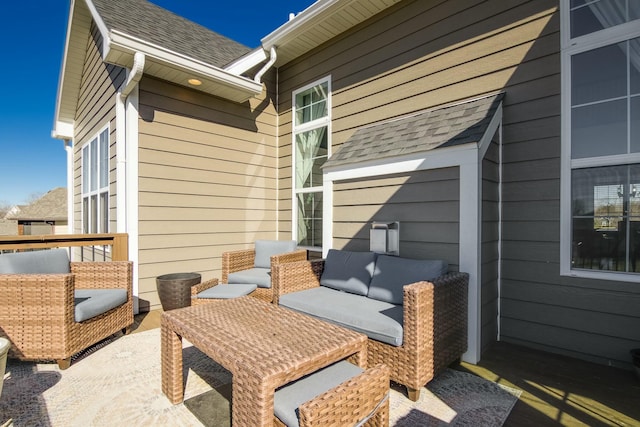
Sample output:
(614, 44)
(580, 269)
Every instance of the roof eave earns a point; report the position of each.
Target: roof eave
(215, 80)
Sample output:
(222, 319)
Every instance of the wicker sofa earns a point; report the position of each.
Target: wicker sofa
(52, 309)
(414, 313)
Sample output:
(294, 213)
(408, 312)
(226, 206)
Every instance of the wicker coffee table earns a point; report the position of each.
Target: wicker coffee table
(264, 346)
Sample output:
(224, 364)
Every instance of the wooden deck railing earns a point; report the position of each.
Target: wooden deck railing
(118, 242)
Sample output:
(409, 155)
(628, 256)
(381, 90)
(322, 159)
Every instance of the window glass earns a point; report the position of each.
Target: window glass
(311, 104)
(104, 159)
(599, 74)
(311, 154)
(595, 15)
(310, 219)
(93, 165)
(606, 218)
(311, 143)
(599, 129)
(635, 124)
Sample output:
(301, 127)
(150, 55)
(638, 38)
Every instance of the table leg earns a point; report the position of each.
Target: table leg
(252, 401)
(171, 356)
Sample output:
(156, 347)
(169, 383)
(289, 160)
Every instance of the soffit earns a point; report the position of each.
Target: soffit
(448, 126)
(319, 23)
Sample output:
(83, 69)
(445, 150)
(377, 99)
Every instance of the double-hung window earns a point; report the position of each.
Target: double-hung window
(95, 184)
(311, 132)
(601, 139)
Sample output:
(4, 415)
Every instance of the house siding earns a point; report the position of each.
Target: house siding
(490, 245)
(207, 180)
(426, 203)
(424, 53)
(96, 108)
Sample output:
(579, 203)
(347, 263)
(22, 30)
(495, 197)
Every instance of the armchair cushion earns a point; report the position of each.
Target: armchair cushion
(93, 302)
(378, 320)
(288, 399)
(393, 273)
(259, 276)
(348, 271)
(265, 249)
(53, 261)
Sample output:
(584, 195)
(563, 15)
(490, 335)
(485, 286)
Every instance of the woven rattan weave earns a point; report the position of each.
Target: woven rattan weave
(37, 310)
(244, 259)
(262, 345)
(434, 323)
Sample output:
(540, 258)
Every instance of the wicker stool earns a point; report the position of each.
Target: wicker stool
(340, 394)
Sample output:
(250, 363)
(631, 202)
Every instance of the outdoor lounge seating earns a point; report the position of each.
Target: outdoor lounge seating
(51, 308)
(254, 266)
(340, 394)
(412, 311)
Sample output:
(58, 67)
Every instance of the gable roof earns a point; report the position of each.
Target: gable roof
(50, 207)
(175, 49)
(462, 123)
(147, 21)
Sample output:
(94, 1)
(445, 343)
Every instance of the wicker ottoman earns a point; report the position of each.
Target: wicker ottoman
(227, 291)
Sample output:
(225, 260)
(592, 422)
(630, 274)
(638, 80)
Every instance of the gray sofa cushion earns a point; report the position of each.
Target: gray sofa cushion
(265, 249)
(289, 398)
(52, 261)
(259, 276)
(93, 302)
(393, 273)
(348, 271)
(378, 320)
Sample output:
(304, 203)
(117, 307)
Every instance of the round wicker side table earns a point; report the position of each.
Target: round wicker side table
(174, 289)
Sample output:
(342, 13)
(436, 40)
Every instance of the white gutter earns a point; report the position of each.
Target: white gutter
(134, 75)
(126, 163)
(124, 42)
(272, 60)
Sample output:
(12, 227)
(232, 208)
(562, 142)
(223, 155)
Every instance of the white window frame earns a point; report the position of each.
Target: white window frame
(305, 127)
(570, 47)
(99, 191)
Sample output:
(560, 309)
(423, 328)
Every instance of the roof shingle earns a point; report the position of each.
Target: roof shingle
(448, 126)
(152, 23)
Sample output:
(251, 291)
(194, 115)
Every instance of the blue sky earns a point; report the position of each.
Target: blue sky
(31, 162)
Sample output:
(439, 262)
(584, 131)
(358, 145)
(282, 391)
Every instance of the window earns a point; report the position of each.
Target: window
(95, 184)
(311, 112)
(601, 138)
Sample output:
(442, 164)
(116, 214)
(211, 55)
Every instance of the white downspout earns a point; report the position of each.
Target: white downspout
(272, 60)
(126, 136)
(68, 147)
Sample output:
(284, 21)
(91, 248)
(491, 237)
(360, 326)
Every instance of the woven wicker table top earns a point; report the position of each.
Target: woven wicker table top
(263, 345)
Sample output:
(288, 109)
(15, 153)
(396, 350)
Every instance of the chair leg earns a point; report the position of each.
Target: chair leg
(127, 330)
(64, 363)
(413, 394)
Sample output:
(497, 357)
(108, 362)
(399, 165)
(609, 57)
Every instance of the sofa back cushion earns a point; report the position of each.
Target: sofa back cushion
(265, 249)
(51, 261)
(393, 273)
(348, 271)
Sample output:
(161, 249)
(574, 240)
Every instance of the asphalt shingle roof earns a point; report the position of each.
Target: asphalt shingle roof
(427, 130)
(151, 23)
(50, 207)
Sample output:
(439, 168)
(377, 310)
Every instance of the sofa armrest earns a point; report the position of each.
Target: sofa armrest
(35, 301)
(196, 289)
(239, 260)
(436, 312)
(297, 255)
(295, 276)
(103, 275)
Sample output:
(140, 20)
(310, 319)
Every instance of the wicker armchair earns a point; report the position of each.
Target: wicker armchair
(37, 312)
(360, 400)
(434, 323)
(245, 259)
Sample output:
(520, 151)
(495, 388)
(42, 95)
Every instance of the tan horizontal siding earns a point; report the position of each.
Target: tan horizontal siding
(207, 180)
